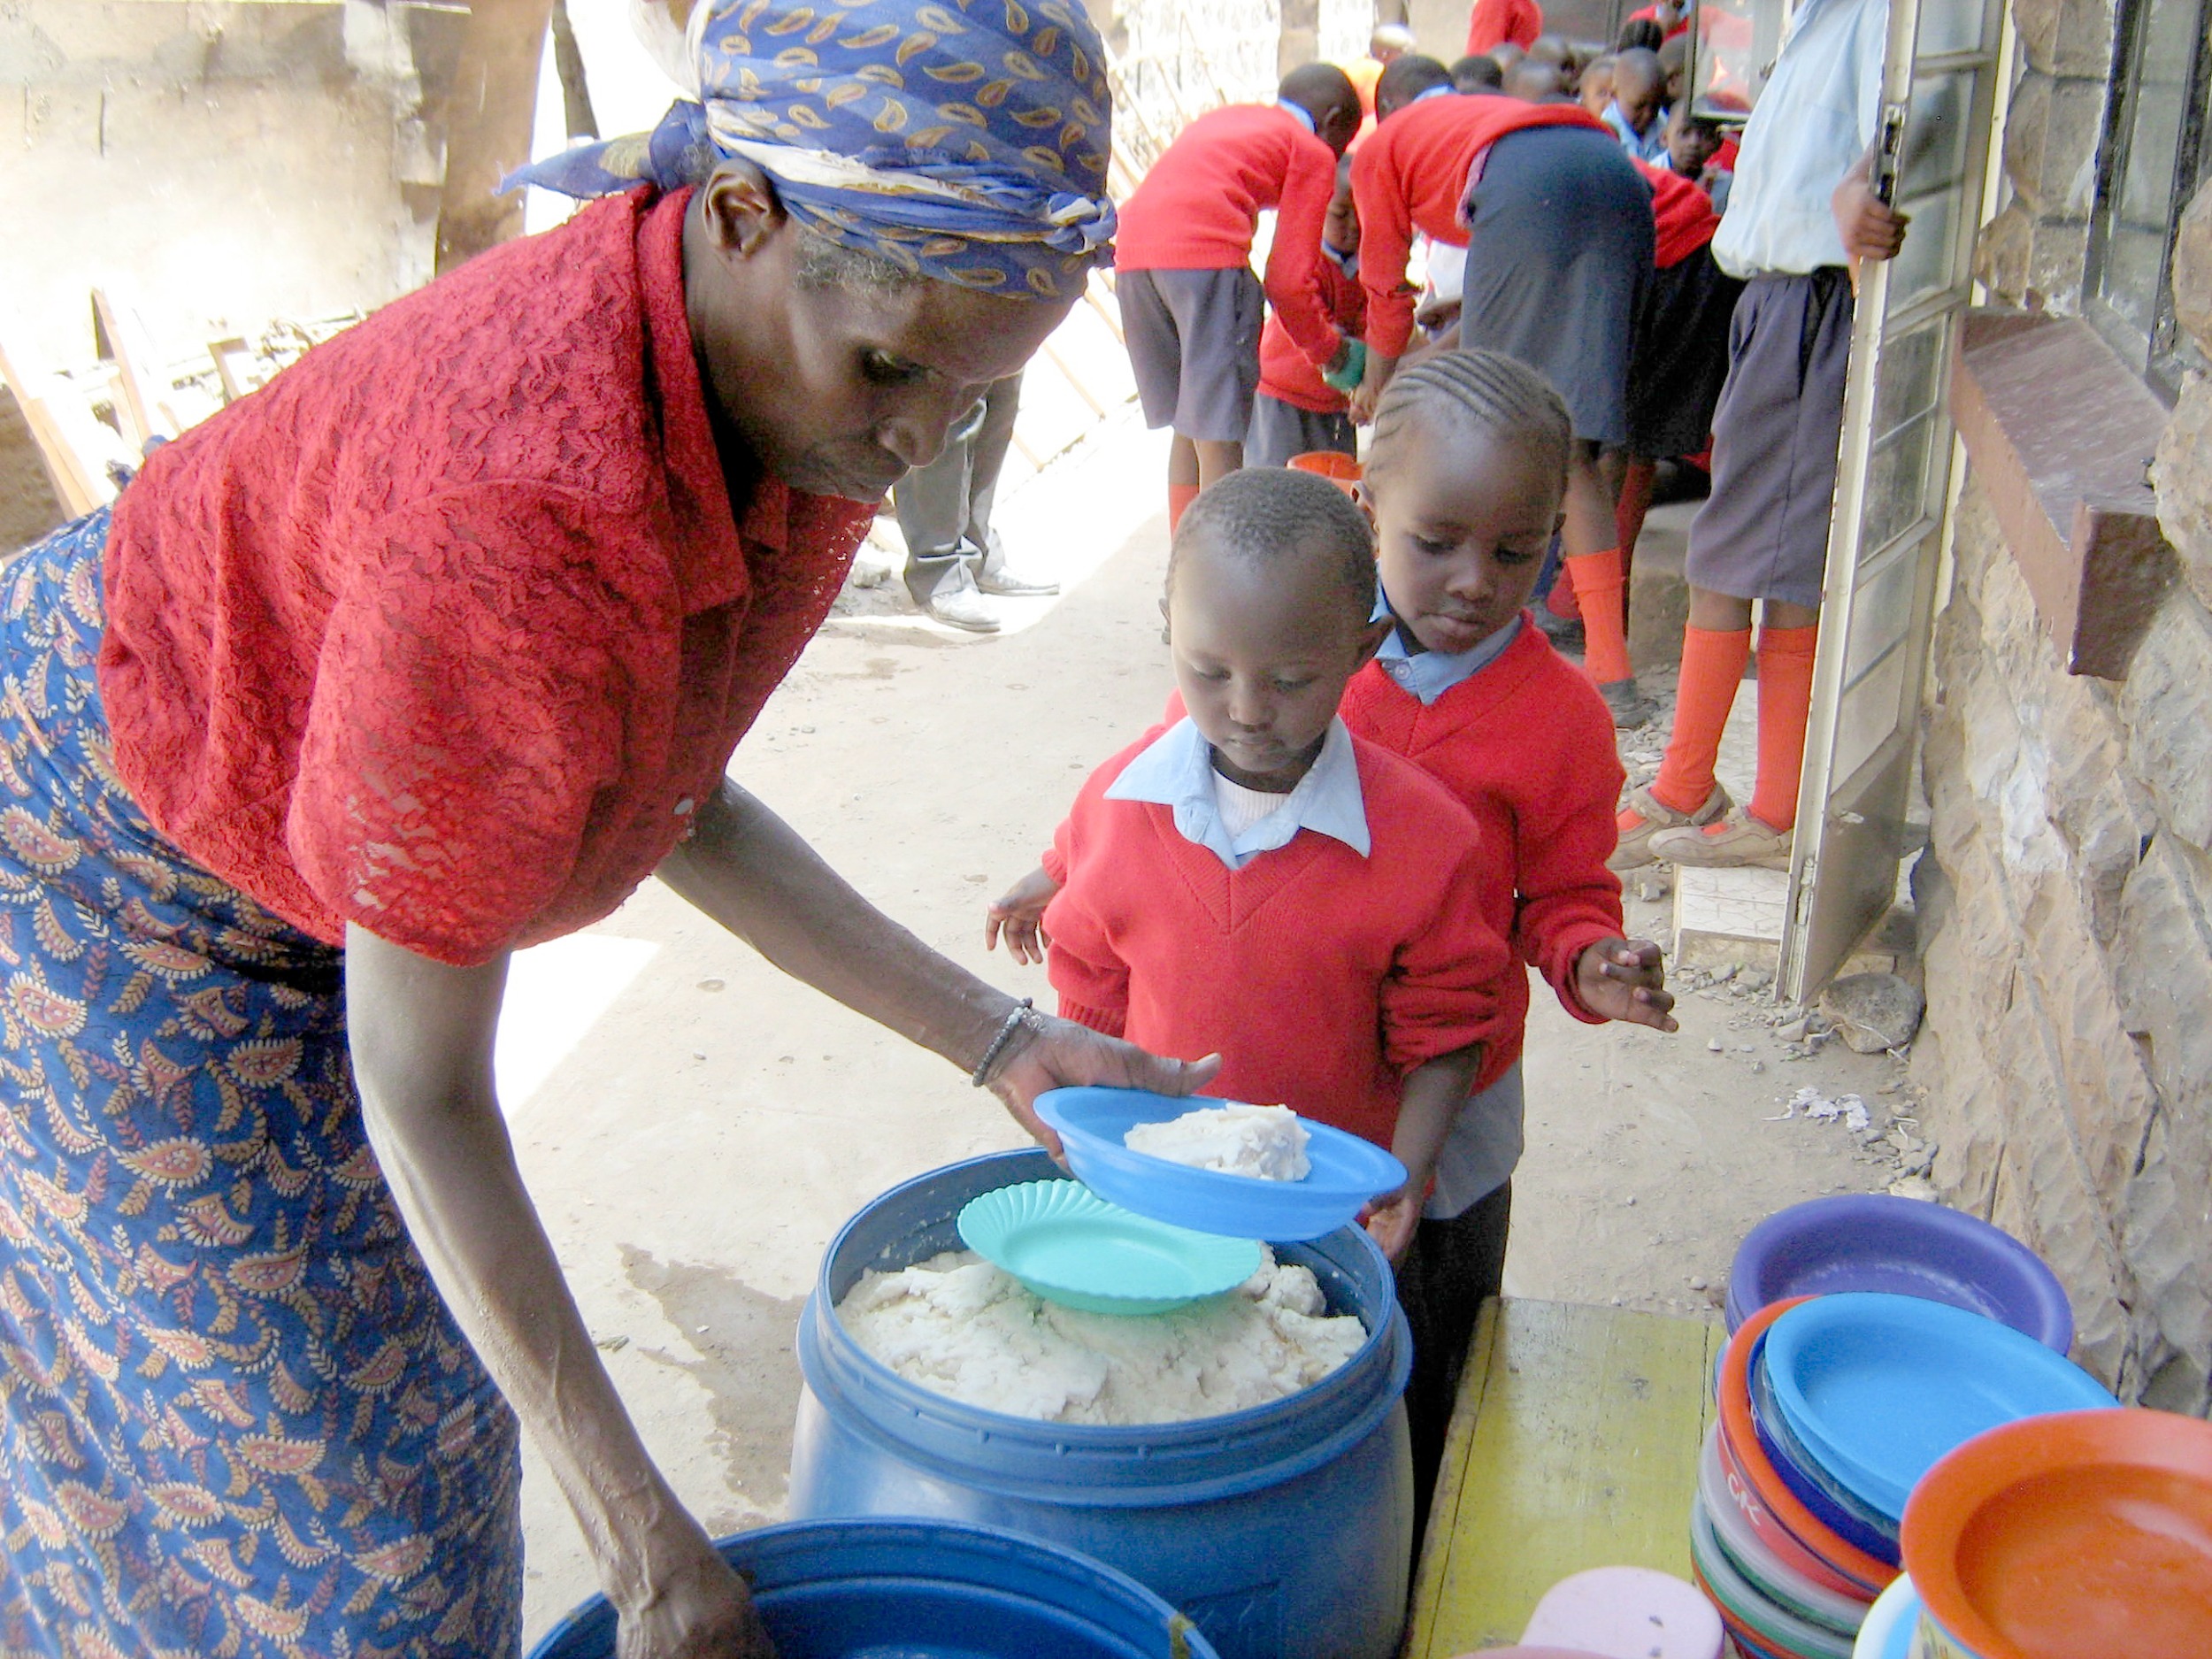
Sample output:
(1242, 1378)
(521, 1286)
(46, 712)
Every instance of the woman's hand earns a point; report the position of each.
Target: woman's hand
(1626, 978)
(1063, 1054)
(698, 1609)
(1020, 916)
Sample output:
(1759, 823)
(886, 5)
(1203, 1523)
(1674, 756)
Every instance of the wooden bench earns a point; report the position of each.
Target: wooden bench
(1574, 1443)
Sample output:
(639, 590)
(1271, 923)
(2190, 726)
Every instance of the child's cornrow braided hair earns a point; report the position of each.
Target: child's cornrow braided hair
(1487, 389)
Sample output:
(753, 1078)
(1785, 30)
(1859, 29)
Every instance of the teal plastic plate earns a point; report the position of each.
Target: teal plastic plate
(1069, 1246)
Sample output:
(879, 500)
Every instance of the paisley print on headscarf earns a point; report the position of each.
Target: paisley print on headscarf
(963, 140)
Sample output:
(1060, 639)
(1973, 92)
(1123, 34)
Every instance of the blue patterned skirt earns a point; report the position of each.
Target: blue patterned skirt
(235, 1418)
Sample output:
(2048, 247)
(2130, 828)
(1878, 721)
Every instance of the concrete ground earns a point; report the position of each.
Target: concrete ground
(694, 1126)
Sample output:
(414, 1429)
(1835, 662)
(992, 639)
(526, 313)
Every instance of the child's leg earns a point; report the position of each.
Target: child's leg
(1787, 636)
(1182, 479)
(1217, 460)
(1637, 481)
(1452, 1267)
(1594, 559)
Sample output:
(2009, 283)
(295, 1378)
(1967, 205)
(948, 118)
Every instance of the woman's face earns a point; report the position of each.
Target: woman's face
(837, 391)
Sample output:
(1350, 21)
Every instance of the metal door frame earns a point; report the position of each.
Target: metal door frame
(1827, 914)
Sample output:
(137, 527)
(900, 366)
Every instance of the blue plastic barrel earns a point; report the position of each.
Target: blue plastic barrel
(923, 1590)
(1283, 1532)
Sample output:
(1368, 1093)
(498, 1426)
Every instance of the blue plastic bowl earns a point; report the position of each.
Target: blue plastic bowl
(1348, 1172)
(1833, 1506)
(916, 1589)
(1878, 1388)
(1871, 1241)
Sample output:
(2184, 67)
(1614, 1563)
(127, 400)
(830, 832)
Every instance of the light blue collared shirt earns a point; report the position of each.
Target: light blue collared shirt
(1428, 675)
(1817, 115)
(1177, 772)
(1651, 147)
(1304, 115)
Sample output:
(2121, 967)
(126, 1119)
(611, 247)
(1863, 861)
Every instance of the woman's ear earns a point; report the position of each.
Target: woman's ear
(741, 207)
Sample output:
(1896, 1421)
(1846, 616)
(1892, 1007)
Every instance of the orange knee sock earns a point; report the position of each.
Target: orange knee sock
(1712, 668)
(1179, 497)
(1561, 600)
(1598, 583)
(1786, 698)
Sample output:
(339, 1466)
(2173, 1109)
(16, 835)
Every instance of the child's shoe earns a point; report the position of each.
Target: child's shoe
(1653, 817)
(1739, 841)
(1629, 707)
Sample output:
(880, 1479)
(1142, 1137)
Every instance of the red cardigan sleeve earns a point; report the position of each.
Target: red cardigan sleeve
(1385, 242)
(1081, 961)
(1564, 833)
(464, 718)
(1293, 278)
(1442, 993)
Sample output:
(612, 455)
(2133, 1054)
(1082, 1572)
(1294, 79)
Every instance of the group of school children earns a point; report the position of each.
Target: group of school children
(1380, 794)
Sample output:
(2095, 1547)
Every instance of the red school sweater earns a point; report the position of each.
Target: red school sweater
(1412, 175)
(1682, 216)
(1200, 202)
(1526, 745)
(1287, 374)
(1322, 978)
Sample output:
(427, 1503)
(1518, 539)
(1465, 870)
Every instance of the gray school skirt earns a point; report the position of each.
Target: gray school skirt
(1763, 532)
(1193, 343)
(1280, 430)
(1559, 254)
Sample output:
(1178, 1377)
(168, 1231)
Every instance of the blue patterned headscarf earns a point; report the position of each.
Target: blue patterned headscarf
(964, 139)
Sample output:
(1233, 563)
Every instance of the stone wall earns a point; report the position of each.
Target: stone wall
(228, 163)
(2066, 903)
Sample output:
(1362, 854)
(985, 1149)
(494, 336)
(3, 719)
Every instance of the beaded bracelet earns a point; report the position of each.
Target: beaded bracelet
(1022, 1016)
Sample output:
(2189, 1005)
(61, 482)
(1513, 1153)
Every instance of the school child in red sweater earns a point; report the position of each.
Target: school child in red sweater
(1256, 882)
(1253, 881)
(1191, 308)
(1297, 412)
(1465, 473)
(1558, 228)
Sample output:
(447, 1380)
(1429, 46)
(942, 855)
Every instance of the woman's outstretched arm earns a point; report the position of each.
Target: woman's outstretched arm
(421, 1035)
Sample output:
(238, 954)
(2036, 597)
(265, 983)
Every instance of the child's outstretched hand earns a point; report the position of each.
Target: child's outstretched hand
(1623, 979)
(1391, 1222)
(1020, 916)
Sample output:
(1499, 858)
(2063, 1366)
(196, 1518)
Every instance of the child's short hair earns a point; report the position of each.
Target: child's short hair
(1266, 515)
(1487, 389)
(1478, 71)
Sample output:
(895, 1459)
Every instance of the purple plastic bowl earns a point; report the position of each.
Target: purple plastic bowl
(1906, 1247)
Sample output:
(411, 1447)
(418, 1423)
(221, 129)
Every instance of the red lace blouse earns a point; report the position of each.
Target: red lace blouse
(449, 629)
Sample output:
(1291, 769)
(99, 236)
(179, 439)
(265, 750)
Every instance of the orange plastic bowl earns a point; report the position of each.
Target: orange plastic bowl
(1788, 1547)
(1740, 1441)
(1341, 469)
(2082, 1533)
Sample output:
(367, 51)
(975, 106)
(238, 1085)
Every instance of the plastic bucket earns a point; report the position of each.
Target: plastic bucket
(1283, 1532)
(1340, 469)
(921, 1589)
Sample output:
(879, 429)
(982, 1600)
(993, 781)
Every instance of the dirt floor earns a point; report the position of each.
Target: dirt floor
(694, 1126)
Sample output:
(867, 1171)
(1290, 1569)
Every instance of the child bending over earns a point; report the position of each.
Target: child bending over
(1465, 475)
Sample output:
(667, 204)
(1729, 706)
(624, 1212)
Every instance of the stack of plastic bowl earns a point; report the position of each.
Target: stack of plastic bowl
(1832, 1409)
(2086, 1532)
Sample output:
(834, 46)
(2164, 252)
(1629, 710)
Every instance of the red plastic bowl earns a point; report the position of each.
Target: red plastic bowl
(1786, 1513)
(2077, 1532)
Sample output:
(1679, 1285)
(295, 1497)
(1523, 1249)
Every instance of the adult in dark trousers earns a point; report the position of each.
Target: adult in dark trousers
(953, 556)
